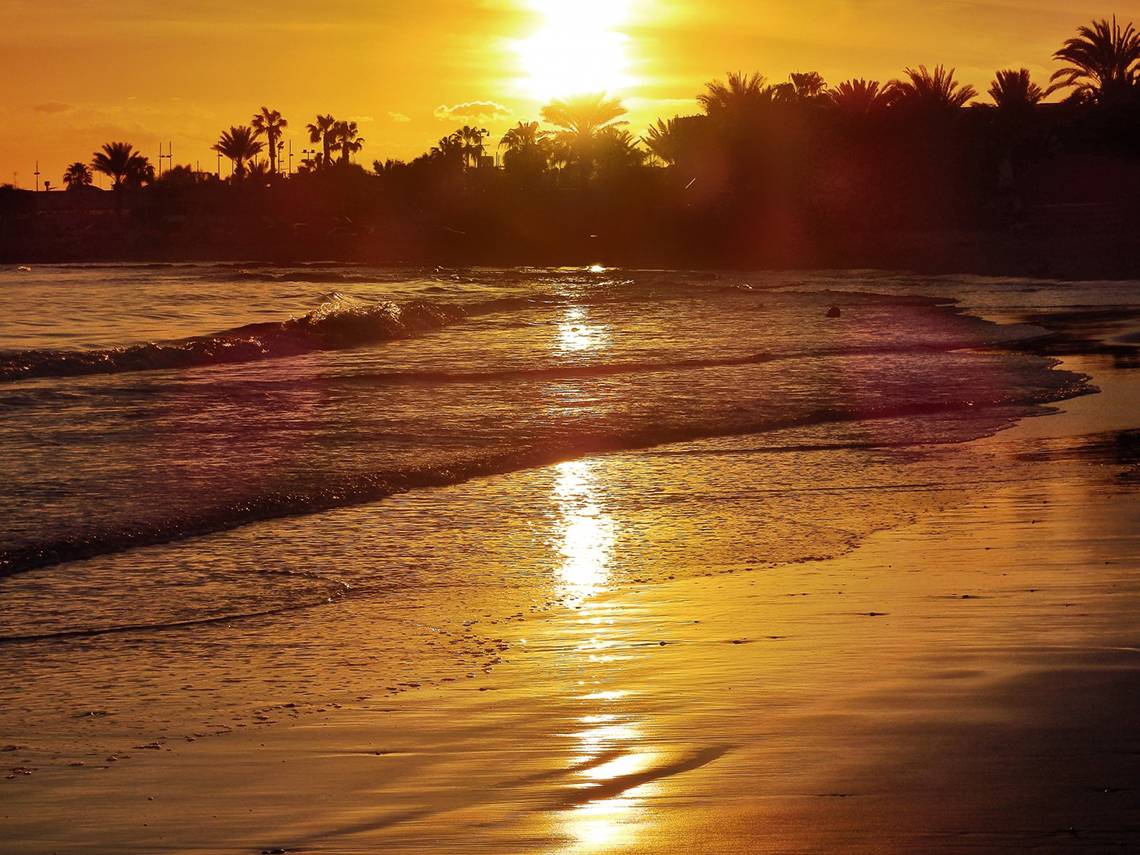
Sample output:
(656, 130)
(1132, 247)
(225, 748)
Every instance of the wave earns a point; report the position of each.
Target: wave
(331, 491)
(316, 276)
(342, 322)
(339, 323)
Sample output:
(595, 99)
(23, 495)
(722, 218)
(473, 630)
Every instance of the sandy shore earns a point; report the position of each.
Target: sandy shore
(966, 683)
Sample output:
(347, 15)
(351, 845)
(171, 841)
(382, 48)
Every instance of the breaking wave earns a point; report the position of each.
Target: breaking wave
(337, 324)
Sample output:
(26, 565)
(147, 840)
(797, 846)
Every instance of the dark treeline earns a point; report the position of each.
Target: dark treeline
(919, 172)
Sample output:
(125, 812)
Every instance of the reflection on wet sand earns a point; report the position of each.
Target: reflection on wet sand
(608, 744)
(586, 533)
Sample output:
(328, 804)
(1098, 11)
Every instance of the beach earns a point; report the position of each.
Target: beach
(906, 625)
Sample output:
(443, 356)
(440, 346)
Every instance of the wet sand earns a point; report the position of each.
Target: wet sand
(966, 683)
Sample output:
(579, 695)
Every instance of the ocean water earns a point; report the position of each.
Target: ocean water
(146, 404)
(224, 479)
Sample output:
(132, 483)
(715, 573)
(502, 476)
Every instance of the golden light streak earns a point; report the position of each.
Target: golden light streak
(575, 333)
(587, 534)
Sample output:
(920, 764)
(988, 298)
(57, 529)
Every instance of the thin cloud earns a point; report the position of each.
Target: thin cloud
(472, 111)
(52, 107)
(399, 118)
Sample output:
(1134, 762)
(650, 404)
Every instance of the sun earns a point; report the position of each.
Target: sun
(579, 46)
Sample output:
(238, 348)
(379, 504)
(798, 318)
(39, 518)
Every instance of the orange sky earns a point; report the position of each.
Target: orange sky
(181, 70)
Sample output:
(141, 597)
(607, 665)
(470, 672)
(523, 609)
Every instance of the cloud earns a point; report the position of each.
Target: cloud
(399, 118)
(472, 111)
(52, 107)
(361, 120)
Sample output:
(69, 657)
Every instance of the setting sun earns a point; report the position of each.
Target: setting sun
(578, 47)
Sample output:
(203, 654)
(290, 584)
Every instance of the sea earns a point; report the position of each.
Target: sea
(221, 482)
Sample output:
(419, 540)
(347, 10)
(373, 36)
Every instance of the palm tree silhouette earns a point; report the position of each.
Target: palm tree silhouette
(663, 140)
(1103, 62)
(1013, 89)
(239, 144)
(859, 97)
(258, 169)
(580, 119)
(387, 167)
(77, 175)
(1015, 96)
(472, 142)
(270, 124)
(527, 150)
(803, 87)
(521, 136)
(450, 148)
(321, 131)
(123, 164)
(616, 148)
(935, 90)
(740, 95)
(345, 136)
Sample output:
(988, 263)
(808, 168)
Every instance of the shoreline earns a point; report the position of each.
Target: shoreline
(705, 711)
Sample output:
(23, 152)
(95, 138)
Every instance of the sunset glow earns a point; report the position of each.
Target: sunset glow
(591, 427)
(490, 64)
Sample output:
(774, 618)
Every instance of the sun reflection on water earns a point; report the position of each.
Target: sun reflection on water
(601, 825)
(587, 532)
(576, 333)
(609, 742)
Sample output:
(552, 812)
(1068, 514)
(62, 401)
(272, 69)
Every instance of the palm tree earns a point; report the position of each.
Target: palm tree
(580, 120)
(345, 136)
(77, 175)
(935, 91)
(123, 164)
(270, 124)
(662, 139)
(521, 136)
(472, 141)
(859, 97)
(666, 138)
(258, 169)
(802, 87)
(1013, 89)
(239, 144)
(1103, 61)
(321, 131)
(526, 149)
(617, 148)
(387, 167)
(1015, 95)
(741, 94)
(449, 147)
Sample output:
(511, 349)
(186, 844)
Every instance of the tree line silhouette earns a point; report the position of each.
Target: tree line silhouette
(795, 171)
